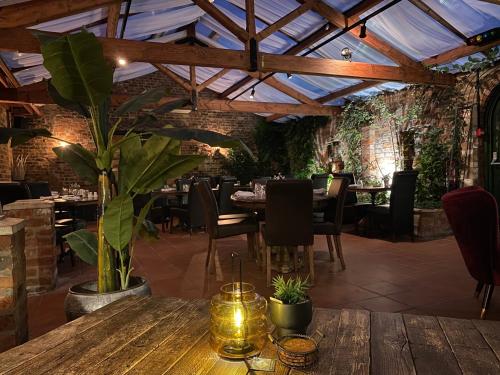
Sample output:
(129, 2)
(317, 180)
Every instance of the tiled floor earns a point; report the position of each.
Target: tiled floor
(421, 277)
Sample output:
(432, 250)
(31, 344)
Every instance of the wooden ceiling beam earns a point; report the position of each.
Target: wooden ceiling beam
(250, 17)
(212, 79)
(224, 20)
(174, 77)
(436, 17)
(163, 53)
(37, 11)
(358, 9)
(113, 18)
(347, 91)
(456, 53)
(263, 34)
(38, 94)
(291, 92)
(338, 19)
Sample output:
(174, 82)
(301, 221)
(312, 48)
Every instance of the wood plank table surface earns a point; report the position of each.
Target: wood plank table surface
(144, 335)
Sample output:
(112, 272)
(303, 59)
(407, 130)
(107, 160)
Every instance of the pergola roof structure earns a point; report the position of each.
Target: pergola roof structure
(209, 44)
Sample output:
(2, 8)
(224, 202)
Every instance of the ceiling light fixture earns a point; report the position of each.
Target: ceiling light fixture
(121, 61)
(252, 94)
(289, 75)
(346, 54)
(362, 31)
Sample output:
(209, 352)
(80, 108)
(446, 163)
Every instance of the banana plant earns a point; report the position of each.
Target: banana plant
(82, 81)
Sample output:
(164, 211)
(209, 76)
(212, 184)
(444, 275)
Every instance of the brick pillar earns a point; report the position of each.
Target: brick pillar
(13, 302)
(40, 243)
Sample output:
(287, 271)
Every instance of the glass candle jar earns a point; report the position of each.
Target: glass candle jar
(238, 323)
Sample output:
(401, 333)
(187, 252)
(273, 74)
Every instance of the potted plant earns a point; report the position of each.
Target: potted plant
(290, 306)
(19, 167)
(82, 81)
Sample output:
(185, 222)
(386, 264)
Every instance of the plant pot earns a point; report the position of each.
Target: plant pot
(83, 298)
(290, 319)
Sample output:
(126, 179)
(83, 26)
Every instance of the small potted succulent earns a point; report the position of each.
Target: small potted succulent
(290, 306)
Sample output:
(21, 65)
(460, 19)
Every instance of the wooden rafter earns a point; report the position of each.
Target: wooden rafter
(361, 7)
(263, 34)
(212, 79)
(224, 20)
(434, 15)
(301, 46)
(338, 19)
(291, 92)
(174, 77)
(347, 91)
(113, 18)
(456, 53)
(250, 16)
(38, 93)
(11, 81)
(37, 11)
(164, 53)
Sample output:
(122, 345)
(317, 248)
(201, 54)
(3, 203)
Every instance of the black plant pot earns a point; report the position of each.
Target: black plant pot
(290, 319)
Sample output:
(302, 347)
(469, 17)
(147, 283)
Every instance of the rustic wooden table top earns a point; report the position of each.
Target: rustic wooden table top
(319, 201)
(140, 335)
(367, 189)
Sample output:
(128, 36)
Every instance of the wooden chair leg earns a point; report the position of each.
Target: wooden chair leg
(338, 247)
(310, 252)
(330, 247)
(268, 265)
(251, 245)
(171, 225)
(213, 254)
(479, 289)
(488, 292)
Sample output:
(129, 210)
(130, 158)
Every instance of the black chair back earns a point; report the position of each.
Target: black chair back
(227, 179)
(39, 189)
(289, 209)
(13, 191)
(181, 182)
(337, 194)
(195, 206)
(209, 204)
(226, 188)
(351, 197)
(320, 181)
(402, 201)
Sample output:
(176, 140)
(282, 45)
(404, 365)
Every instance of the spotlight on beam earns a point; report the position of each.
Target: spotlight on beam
(362, 31)
(346, 54)
(289, 75)
(252, 94)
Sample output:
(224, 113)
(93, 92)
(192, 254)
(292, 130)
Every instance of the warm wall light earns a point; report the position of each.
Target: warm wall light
(63, 144)
(252, 94)
(121, 61)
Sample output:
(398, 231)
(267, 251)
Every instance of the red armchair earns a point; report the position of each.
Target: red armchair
(473, 216)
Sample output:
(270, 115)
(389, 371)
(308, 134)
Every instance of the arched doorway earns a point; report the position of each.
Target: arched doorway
(492, 144)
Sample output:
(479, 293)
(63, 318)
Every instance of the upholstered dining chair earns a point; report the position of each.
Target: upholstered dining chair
(397, 217)
(222, 226)
(473, 216)
(332, 226)
(289, 207)
(320, 181)
(192, 215)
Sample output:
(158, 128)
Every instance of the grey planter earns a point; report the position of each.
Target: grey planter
(290, 319)
(83, 298)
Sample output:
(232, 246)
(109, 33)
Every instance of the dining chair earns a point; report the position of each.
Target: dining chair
(13, 191)
(38, 189)
(332, 226)
(473, 216)
(191, 216)
(320, 181)
(226, 189)
(289, 208)
(222, 226)
(397, 217)
(353, 209)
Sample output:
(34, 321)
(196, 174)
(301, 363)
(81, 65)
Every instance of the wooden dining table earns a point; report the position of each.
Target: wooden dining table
(159, 335)
(372, 190)
(259, 204)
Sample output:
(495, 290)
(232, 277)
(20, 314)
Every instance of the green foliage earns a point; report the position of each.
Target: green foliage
(432, 164)
(118, 219)
(239, 164)
(84, 243)
(291, 291)
(473, 63)
(354, 117)
(19, 136)
(270, 139)
(81, 160)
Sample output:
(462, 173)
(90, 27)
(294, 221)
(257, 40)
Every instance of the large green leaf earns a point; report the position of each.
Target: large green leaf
(81, 160)
(170, 106)
(20, 136)
(84, 244)
(78, 68)
(138, 102)
(118, 220)
(205, 136)
(68, 104)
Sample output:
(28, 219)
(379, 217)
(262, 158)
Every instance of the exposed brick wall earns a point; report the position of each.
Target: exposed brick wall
(40, 242)
(5, 151)
(13, 301)
(44, 166)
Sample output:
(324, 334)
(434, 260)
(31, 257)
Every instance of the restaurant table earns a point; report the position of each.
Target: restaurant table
(153, 335)
(372, 190)
(71, 205)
